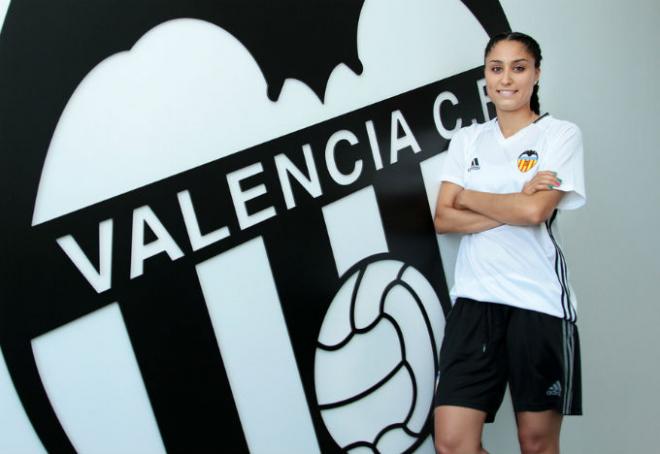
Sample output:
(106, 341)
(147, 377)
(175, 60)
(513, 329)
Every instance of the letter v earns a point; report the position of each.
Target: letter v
(101, 279)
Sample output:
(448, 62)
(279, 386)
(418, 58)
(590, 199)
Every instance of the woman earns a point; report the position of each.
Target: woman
(513, 320)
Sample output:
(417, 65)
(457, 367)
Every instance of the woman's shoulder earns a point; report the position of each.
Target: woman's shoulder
(556, 127)
(473, 130)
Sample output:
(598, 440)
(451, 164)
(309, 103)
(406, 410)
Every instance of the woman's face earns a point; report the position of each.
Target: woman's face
(510, 76)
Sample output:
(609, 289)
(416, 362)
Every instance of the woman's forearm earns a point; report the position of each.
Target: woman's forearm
(452, 220)
(514, 209)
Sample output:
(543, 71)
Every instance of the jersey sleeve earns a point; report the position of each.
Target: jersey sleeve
(566, 157)
(453, 169)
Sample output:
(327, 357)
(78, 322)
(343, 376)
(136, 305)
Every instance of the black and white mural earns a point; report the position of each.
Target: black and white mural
(217, 221)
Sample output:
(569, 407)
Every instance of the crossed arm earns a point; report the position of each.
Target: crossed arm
(461, 210)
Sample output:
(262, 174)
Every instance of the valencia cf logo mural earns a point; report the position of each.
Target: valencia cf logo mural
(217, 221)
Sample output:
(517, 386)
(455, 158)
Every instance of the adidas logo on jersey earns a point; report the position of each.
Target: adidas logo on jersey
(554, 389)
(474, 165)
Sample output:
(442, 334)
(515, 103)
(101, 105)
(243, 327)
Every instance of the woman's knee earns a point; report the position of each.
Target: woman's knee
(457, 446)
(531, 442)
(450, 445)
(443, 446)
(538, 433)
(534, 441)
(458, 430)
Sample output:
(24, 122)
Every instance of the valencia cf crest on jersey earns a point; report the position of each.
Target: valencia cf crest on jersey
(527, 160)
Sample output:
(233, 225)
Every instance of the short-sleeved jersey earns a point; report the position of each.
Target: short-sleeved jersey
(521, 266)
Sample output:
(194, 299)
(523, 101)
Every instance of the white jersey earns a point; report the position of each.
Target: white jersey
(520, 266)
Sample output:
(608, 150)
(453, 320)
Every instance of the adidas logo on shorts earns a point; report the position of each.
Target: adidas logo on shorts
(554, 389)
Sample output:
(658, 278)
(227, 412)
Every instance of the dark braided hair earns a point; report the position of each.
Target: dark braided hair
(532, 47)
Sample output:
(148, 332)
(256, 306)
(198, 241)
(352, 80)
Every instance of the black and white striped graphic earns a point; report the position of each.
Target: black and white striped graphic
(252, 335)
(107, 378)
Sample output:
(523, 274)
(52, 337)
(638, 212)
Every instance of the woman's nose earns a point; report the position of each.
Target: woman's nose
(506, 77)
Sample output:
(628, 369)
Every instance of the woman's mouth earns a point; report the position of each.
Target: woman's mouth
(507, 93)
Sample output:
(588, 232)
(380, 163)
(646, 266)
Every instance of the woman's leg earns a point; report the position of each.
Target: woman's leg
(458, 430)
(538, 432)
(544, 377)
(473, 373)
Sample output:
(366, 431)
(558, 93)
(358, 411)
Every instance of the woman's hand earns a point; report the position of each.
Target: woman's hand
(544, 180)
(458, 200)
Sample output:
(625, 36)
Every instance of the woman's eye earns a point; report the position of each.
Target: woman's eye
(519, 69)
(496, 69)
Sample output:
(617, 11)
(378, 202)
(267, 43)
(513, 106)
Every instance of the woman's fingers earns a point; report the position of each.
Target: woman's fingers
(542, 181)
(548, 178)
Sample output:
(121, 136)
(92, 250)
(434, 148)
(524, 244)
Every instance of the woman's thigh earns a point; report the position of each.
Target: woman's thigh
(473, 358)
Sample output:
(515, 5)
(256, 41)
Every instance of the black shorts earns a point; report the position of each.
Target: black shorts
(487, 345)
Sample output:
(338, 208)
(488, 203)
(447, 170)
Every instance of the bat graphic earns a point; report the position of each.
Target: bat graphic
(289, 39)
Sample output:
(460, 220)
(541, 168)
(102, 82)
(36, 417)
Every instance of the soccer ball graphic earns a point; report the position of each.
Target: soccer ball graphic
(377, 357)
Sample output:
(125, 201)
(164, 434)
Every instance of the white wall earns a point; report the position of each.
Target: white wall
(600, 70)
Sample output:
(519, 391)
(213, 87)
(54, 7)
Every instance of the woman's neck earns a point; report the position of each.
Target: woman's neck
(512, 122)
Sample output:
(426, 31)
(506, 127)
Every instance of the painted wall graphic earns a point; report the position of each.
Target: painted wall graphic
(217, 227)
